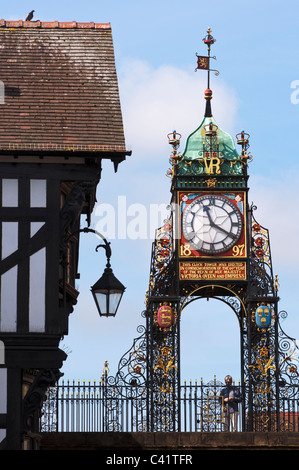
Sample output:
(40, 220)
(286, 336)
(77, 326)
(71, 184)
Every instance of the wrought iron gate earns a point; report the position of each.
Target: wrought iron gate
(102, 407)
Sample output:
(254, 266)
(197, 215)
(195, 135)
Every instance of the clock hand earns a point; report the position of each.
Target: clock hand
(231, 234)
(212, 223)
(207, 210)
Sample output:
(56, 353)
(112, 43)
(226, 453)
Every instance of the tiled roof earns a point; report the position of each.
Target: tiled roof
(61, 89)
(53, 24)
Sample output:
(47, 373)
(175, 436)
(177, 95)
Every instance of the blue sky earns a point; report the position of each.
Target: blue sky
(155, 43)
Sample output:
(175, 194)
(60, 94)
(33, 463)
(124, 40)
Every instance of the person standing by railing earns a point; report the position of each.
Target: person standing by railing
(230, 397)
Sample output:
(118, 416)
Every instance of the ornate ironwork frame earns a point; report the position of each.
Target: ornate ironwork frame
(268, 371)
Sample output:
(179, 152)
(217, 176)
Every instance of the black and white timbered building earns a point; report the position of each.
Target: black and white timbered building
(60, 117)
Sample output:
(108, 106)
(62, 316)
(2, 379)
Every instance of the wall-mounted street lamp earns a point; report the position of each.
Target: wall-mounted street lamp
(108, 290)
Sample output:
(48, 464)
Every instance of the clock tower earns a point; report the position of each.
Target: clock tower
(210, 191)
(212, 247)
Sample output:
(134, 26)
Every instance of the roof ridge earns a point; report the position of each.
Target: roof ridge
(53, 24)
(57, 147)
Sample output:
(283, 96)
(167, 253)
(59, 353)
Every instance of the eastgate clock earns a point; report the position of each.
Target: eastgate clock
(212, 224)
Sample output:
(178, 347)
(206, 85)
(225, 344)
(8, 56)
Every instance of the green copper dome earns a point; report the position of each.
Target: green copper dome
(195, 145)
(209, 150)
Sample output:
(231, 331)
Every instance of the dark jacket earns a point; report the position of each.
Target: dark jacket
(226, 392)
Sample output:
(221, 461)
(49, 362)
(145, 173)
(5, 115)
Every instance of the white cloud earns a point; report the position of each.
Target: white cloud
(157, 101)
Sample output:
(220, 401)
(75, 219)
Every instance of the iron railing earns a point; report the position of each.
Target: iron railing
(100, 407)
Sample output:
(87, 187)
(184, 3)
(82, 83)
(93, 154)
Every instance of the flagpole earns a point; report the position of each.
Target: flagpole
(203, 62)
(208, 40)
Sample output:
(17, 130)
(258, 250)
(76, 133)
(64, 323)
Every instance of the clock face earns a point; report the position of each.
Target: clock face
(212, 224)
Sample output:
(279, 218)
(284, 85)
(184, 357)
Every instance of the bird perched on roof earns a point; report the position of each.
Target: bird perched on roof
(30, 16)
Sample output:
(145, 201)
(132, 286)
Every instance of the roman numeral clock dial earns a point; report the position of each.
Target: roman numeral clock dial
(212, 224)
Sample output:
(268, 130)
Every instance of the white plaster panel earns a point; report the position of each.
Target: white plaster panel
(35, 227)
(38, 193)
(10, 193)
(37, 291)
(8, 303)
(10, 233)
(2, 434)
(3, 390)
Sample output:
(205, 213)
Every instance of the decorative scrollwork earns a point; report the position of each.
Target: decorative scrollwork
(162, 263)
(288, 359)
(132, 365)
(261, 274)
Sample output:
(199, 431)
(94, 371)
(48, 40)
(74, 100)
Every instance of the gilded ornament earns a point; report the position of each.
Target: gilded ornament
(211, 182)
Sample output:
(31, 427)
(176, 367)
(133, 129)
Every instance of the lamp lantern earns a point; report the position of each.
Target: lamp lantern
(108, 290)
(107, 293)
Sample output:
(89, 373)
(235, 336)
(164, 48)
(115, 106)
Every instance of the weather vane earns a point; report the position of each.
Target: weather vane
(203, 62)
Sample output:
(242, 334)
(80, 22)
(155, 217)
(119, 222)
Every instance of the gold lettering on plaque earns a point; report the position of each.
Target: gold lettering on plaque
(196, 271)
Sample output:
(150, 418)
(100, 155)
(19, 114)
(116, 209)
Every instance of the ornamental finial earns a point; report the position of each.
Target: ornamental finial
(203, 63)
(243, 140)
(209, 40)
(174, 139)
